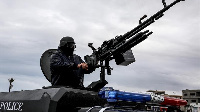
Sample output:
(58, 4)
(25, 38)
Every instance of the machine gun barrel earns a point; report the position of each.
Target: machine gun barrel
(146, 23)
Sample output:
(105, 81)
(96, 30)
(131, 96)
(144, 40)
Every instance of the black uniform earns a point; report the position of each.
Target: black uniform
(64, 70)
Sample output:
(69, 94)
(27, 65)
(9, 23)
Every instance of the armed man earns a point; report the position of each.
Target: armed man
(67, 68)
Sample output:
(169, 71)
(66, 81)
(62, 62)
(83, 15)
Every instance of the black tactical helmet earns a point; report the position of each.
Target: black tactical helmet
(66, 40)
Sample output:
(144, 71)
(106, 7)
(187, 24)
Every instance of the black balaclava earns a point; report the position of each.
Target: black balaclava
(67, 45)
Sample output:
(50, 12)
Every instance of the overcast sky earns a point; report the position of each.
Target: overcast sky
(168, 60)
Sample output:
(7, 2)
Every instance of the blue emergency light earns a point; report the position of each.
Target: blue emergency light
(115, 96)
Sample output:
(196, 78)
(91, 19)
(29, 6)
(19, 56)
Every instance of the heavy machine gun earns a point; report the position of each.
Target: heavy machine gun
(119, 48)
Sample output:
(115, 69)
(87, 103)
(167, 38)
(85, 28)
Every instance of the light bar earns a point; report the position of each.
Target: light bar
(116, 96)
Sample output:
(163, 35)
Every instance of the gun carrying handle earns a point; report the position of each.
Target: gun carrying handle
(164, 3)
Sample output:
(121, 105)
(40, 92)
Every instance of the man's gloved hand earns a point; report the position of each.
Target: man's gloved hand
(83, 66)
